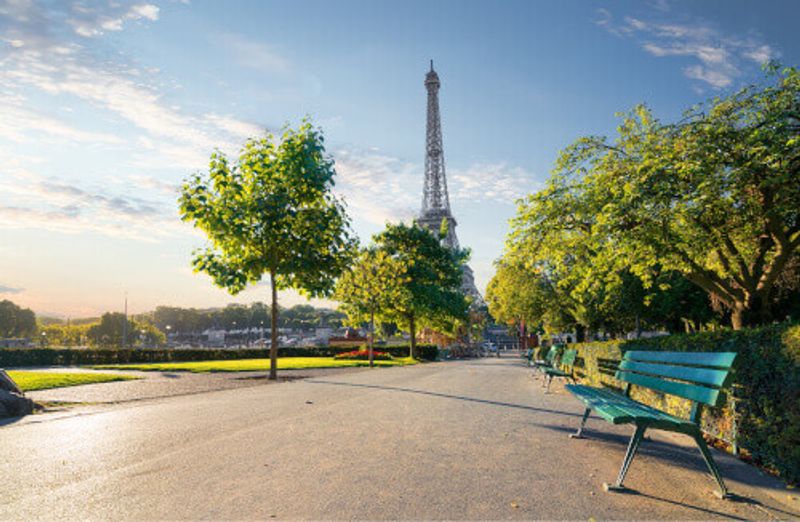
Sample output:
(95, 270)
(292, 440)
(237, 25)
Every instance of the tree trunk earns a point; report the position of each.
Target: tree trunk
(371, 338)
(413, 331)
(273, 346)
(750, 312)
(580, 333)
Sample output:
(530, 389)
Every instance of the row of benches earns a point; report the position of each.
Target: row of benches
(697, 377)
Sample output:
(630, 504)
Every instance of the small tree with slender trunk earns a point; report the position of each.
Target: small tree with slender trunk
(372, 285)
(272, 213)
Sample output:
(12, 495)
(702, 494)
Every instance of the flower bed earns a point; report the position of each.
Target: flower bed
(363, 355)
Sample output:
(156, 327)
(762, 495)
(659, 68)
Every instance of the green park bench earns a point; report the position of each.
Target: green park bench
(697, 377)
(563, 369)
(547, 362)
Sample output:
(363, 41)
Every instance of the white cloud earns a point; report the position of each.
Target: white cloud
(715, 78)
(170, 135)
(376, 187)
(51, 204)
(236, 128)
(719, 59)
(253, 55)
(761, 54)
(90, 22)
(496, 182)
(381, 188)
(19, 124)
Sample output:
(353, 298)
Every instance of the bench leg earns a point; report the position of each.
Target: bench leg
(712, 466)
(579, 434)
(633, 445)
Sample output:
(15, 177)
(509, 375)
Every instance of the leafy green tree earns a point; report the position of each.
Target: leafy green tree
(272, 213)
(147, 335)
(714, 196)
(517, 295)
(66, 334)
(432, 286)
(679, 305)
(108, 332)
(374, 283)
(16, 321)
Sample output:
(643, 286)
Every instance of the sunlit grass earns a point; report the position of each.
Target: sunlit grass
(250, 365)
(32, 381)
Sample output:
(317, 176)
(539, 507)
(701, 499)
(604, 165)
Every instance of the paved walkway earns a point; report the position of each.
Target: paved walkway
(458, 440)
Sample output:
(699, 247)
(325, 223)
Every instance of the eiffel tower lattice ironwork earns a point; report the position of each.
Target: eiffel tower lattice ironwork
(435, 199)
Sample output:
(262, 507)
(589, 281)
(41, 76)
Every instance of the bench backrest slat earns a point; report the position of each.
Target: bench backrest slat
(568, 358)
(704, 376)
(687, 391)
(709, 359)
(704, 373)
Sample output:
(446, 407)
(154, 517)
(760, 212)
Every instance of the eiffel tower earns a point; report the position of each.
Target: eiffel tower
(435, 200)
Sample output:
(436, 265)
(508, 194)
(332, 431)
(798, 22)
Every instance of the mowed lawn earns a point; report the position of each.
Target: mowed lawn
(251, 365)
(32, 380)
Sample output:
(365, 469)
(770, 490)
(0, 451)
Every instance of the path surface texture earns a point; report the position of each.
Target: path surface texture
(457, 440)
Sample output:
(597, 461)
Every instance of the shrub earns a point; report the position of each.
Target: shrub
(21, 357)
(363, 355)
(765, 388)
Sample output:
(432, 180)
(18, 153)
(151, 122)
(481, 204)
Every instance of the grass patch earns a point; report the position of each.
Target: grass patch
(32, 381)
(251, 365)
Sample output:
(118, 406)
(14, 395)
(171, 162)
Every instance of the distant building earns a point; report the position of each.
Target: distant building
(215, 337)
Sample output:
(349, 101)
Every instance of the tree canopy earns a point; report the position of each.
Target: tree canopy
(271, 212)
(108, 333)
(431, 289)
(713, 197)
(16, 321)
(373, 285)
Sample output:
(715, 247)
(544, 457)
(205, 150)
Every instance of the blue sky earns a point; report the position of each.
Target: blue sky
(106, 106)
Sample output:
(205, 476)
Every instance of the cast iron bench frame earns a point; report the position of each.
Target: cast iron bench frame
(696, 376)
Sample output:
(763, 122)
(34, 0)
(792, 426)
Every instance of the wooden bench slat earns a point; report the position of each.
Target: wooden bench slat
(656, 371)
(618, 409)
(712, 359)
(705, 376)
(692, 392)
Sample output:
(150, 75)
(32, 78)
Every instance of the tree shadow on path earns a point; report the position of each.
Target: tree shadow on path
(653, 448)
(446, 396)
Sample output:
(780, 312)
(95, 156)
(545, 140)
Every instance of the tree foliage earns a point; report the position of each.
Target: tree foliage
(430, 292)
(236, 316)
(271, 212)
(373, 285)
(16, 321)
(109, 332)
(713, 197)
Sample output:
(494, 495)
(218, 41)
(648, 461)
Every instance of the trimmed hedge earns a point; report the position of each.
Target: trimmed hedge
(21, 357)
(765, 388)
